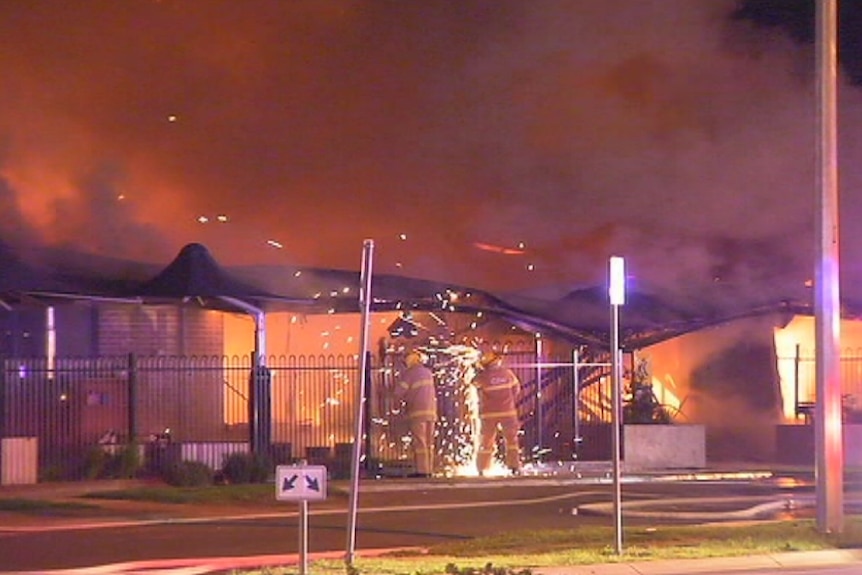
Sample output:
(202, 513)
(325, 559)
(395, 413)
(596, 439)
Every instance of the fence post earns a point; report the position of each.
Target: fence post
(366, 407)
(2, 398)
(796, 383)
(259, 407)
(576, 404)
(132, 382)
(539, 415)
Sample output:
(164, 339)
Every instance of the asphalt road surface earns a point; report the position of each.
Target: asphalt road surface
(419, 516)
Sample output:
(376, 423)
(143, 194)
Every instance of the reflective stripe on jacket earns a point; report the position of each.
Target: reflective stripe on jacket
(498, 392)
(416, 388)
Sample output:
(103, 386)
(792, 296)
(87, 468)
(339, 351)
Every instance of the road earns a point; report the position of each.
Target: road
(420, 516)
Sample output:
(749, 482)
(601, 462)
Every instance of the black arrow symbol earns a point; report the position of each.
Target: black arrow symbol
(288, 483)
(312, 483)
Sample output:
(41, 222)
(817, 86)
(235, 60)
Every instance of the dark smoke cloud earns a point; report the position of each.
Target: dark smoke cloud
(16, 230)
(99, 217)
(662, 130)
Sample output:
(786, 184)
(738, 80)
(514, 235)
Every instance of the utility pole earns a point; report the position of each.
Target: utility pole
(829, 455)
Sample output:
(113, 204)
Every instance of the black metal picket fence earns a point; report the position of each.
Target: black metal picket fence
(801, 368)
(199, 408)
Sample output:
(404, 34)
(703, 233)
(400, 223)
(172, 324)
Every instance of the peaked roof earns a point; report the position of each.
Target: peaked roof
(194, 273)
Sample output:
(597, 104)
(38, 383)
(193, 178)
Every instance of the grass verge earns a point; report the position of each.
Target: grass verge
(214, 495)
(43, 507)
(518, 553)
(244, 493)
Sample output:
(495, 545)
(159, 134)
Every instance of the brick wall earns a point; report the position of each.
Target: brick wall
(158, 330)
(75, 325)
(202, 332)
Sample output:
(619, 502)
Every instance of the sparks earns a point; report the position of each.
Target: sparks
(499, 249)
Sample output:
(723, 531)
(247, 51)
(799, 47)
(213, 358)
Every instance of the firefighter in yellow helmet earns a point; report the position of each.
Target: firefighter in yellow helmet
(498, 388)
(415, 387)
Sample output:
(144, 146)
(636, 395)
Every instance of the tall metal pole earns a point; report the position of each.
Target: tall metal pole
(616, 403)
(829, 455)
(365, 307)
(616, 293)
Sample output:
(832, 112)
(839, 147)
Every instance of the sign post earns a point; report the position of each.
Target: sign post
(302, 483)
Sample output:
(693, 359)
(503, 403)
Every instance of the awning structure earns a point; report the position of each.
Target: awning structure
(22, 281)
(580, 316)
(20, 277)
(195, 274)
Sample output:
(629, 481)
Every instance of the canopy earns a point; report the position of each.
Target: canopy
(581, 316)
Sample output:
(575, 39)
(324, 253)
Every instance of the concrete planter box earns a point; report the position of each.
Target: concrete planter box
(19, 460)
(676, 446)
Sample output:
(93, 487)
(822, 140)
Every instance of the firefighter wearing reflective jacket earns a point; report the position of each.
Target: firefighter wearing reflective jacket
(498, 389)
(415, 388)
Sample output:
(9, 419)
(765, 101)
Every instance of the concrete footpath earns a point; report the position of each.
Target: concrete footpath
(793, 560)
(223, 565)
(129, 513)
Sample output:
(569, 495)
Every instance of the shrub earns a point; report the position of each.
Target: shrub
(127, 463)
(121, 462)
(52, 472)
(246, 468)
(187, 474)
(642, 406)
(95, 463)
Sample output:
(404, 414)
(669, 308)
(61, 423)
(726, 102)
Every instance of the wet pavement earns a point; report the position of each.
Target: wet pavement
(787, 493)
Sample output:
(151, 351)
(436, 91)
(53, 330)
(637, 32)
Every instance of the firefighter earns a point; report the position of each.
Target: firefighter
(498, 388)
(415, 387)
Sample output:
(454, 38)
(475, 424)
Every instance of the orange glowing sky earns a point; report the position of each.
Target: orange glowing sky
(551, 132)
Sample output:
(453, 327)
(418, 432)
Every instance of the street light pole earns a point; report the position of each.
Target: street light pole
(829, 455)
(617, 295)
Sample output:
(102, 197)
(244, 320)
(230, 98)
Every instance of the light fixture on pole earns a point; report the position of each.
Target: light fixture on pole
(617, 296)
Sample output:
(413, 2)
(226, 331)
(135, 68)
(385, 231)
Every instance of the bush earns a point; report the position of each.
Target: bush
(95, 463)
(52, 472)
(127, 463)
(120, 462)
(187, 474)
(246, 468)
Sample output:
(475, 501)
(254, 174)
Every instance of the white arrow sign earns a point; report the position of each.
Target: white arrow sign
(300, 482)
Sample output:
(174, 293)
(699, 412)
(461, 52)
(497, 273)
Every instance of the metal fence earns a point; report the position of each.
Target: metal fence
(198, 408)
(801, 368)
